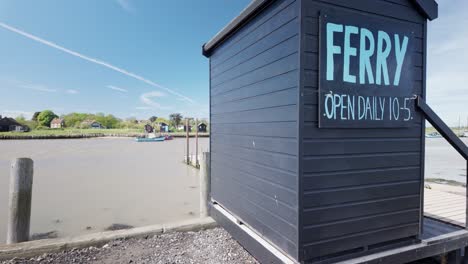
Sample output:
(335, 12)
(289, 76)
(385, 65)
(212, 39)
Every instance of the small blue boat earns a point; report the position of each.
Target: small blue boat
(156, 139)
(433, 135)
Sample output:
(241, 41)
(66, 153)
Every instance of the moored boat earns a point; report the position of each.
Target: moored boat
(156, 139)
(433, 135)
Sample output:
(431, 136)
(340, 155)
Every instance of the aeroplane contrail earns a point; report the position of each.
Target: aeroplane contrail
(93, 60)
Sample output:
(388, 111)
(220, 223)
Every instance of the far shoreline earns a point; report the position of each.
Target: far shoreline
(27, 136)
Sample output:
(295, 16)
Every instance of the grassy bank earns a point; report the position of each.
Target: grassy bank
(82, 133)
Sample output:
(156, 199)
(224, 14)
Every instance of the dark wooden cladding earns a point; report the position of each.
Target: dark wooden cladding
(359, 161)
(275, 99)
(358, 193)
(275, 175)
(280, 209)
(267, 48)
(359, 146)
(311, 131)
(281, 145)
(378, 8)
(357, 183)
(266, 158)
(273, 84)
(253, 215)
(314, 193)
(279, 67)
(355, 241)
(254, 109)
(334, 230)
(327, 214)
(255, 31)
(328, 180)
(270, 129)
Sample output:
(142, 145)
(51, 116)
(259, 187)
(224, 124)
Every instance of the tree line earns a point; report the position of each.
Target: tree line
(43, 119)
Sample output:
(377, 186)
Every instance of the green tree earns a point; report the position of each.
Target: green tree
(108, 121)
(34, 117)
(75, 119)
(20, 119)
(153, 119)
(45, 117)
(176, 118)
(29, 123)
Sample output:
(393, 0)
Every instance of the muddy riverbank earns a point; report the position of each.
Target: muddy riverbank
(29, 136)
(89, 185)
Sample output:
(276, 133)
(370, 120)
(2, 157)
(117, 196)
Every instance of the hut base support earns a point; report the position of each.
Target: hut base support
(444, 240)
(261, 249)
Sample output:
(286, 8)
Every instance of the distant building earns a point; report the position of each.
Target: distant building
(202, 127)
(189, 128)
(163, 127)
(93, 124)
(57, 123)
(10, 124)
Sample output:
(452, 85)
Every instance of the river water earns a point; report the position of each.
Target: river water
(443, 161)
(86, 185)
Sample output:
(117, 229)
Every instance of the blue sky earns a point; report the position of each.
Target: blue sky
(143, 57)
(151, 51)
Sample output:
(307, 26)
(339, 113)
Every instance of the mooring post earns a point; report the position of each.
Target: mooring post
(187, 135)
(205, 184)
(21, 181)
(197, 161)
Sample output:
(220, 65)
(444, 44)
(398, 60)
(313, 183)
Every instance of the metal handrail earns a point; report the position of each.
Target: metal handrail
(449, 135)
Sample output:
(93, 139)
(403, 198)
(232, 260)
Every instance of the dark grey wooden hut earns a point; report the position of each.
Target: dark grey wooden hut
(314, 183)
(202, 127)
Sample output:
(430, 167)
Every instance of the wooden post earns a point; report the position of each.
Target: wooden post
(21, 180)
(205, 184)
(187, 135)
(197, 162)
(453, 257)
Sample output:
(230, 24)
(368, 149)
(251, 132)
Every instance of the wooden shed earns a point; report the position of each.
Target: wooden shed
(317, 145)
(202, 127)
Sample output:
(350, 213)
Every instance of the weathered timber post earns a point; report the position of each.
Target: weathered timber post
(197, 161)
(187, 135)
(21, 180)
(205, 184)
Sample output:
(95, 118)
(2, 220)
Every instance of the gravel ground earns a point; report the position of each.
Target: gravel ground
(212, 246)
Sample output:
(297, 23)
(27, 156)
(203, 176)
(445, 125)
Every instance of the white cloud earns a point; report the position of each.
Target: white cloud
(39, 88)
(115, 88)
(147, 99)
(93, 60)
(16, 113)
(71, 91)
(447, 73)
(126, 5)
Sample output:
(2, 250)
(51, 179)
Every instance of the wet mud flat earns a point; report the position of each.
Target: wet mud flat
(89, 185)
